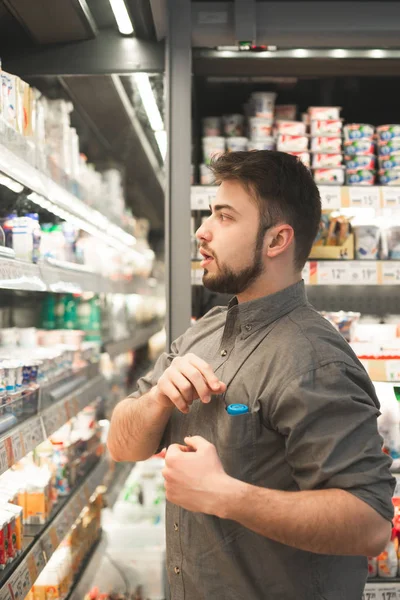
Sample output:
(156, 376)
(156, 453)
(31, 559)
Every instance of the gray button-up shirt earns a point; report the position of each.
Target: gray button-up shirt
(312, 424)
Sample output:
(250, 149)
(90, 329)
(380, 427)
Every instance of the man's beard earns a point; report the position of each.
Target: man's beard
(232, 282)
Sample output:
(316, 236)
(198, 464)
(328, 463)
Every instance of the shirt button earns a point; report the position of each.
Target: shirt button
(177, 570)
(248, 327)
(176, 527)
(224, 352)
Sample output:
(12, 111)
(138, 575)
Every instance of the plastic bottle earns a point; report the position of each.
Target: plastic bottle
(387, 560)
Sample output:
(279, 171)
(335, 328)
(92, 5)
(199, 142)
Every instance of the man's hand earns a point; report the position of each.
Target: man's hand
(194, 476)
(186, 379)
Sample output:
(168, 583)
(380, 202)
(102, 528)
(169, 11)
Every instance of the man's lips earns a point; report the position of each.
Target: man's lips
(207, 257)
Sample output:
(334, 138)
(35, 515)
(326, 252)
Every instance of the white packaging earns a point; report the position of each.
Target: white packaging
(213, 147)
(366, 241)
(291, 128)
(323, 161)
(237, 144)
(233, 125)
(326, 145)
(260, 128)
(332, 127)
(212, 126)
(265, 144)
(303, 156)
(23, 238)
(263, 104)
(291, 143)
(324, 113)
(206, 176)
(333, 176)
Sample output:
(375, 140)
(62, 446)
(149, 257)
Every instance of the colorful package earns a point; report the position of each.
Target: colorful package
(390, 162)
(331, 127)
(323, 161)
(389, 176)
(367, 241)
(360, 177)
(329, 176)
(389, 147)
(291, 128)
(291, 143)
(324, 113)
(326, 145)
(388, 132)
(358, 131)
(360, 162)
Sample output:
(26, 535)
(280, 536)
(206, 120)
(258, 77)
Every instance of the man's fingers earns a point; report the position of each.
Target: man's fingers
(183, 385)
(207, 372)
(169, 390)
(197, 442)
(197, 381)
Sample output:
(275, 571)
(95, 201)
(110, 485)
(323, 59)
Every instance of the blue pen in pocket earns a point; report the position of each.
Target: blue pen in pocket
(237, 409)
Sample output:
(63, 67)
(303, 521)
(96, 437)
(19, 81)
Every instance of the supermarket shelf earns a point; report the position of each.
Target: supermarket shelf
(133, 342)
(383, 369)
(23, 438)
(337, 272)
(62, 277)
(17, 580)
(55, 198)
(332, 196)
(382, 589)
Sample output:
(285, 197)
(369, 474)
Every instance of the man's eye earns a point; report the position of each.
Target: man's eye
(223, 217)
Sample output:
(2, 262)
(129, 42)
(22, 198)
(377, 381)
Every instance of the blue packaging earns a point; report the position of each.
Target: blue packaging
(360, 162)
(389, 176)
(390, 162)
(361, 177)
(389, 148)
(237, 409)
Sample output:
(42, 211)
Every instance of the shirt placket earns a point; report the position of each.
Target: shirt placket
(175, 558)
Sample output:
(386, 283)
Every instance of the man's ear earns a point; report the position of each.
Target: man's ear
(278, 240)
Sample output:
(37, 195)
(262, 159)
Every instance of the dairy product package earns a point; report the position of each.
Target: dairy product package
(323, 161)
(388, 132)
(236, 144)
(333, 176)
(324, 113)
(287, 112)
(212, 126)
(360, 177)
(391, 242)
(263, 104)
(390, 162)
(290, 128)
(213, 147)
(303, 156)
(389, 147)
(361, 161)
(326, 145)
(357, 147)
(233, 125)
(206, 176)
(263, 144)
(358, 131)
(389, 176)
(367, 241)
(331, 127)
(260, 128)
(291, 143)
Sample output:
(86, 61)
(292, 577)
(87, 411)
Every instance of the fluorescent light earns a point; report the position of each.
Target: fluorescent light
(161, 138)
(122, 17)
(11, 184)
(377, 53)
(300, 53)
(339, 53)
(149, 102)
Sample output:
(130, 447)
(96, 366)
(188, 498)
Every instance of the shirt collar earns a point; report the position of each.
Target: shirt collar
(263, 311)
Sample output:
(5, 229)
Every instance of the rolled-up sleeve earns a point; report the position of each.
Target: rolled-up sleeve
(328, 417)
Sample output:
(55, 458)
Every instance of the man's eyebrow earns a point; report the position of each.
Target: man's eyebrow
(219, 207)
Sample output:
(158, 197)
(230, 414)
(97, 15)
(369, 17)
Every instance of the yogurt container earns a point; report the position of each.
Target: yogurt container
(9, 336)
(393, 242)
(324, 113)
(290, 128)
(389, 176)
(260, 128)
(206, 176)
(333, 176)
(331, 127)
(356, 147)
(237, 144)
(213, 147)
(233, 125)
(388, 132)
(389, 147)
(263, 104)
(212, 126)
(326, 145)
(286, 112)
(360, 162)
(390, 162)
(265, 144)
(291, 143)
(303, 156)
(358, 131)
(323, 161)
(366, 241)
(360, 177)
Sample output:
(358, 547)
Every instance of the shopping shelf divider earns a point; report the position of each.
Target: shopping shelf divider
(17, 586)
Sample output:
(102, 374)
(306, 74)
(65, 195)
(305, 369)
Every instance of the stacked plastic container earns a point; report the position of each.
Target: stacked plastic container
(326, 144)
(360, 154)
(389, 154)
(261, 112)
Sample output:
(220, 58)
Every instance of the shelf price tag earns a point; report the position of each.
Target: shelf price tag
(392, 370)
(332, 273)
(381, 592)
(391, 197)
(331, 196)
(364, 197)
(391, 272)
(18, 451)
(20, 582)
(363, 273)
(5, 593)
(3, 457)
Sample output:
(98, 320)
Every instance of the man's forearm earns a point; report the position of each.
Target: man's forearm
(320, 521)
(137, 426)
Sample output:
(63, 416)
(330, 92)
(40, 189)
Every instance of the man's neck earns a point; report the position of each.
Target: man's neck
(266, 286)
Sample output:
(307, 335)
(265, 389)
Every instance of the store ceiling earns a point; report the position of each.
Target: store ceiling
(30, 28)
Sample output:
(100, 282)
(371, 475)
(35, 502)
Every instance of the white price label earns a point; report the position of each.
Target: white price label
(370, 595)
(363, 273)
(5, 593)
(201, 197)
(3, 458)
(380, 591)
(391, 197)
(390, 272)
(37, 435)
(17, 446)
(364, 197)
(332, 273)
(20, 582)
(331, 196)
(392, 370)
(39, 558)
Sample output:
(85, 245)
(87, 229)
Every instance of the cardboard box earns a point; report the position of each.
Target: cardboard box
(343, 252)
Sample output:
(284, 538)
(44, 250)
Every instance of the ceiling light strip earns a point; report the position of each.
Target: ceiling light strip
(122, 17)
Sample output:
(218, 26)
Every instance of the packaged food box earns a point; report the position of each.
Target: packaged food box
(326, 145)
(388, 132)
(206, 176)
(360, 177)
(303, 156)
(331, 127)
(389, 147)
(390, 162)
(291, 128)
(263, 104)
(236, 144)
(286, 112)
(292, 143)
(213, 146)
(356, 147)
(263, 144)
(324, 113)
(389, 176)
(322, 161)
(329, 176)
(233, 125)
(362, 161)
(358, 131)
(260, 128)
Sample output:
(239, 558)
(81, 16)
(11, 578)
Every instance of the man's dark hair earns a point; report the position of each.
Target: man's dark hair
(283, 188)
